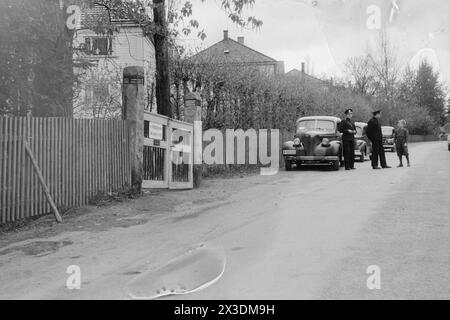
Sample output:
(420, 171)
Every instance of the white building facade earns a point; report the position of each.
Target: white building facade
(98, 93)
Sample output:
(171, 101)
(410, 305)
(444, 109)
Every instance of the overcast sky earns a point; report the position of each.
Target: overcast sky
(328, 33)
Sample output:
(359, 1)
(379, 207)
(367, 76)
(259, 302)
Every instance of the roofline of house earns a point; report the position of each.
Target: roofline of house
(270, 59)
(231, 63)
(304, 73)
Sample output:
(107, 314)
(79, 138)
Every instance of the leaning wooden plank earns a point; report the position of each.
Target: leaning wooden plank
(41, 180)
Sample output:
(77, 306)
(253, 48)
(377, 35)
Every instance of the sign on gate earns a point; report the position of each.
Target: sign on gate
(155, 131)
(168, 153)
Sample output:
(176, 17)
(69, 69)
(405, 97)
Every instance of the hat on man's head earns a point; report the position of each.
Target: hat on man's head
(376, 112)
(348, 111)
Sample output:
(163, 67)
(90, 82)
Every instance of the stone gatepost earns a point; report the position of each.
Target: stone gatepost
(133, 112)
(193, 114)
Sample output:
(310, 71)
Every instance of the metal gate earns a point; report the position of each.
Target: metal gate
(168, 153)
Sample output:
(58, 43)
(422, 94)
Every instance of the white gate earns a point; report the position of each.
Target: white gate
(168, 153)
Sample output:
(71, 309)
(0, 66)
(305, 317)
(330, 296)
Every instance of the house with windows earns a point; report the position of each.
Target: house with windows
(235, 53)
(98, 93)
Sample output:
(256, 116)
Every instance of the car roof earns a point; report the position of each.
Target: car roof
(329, 118)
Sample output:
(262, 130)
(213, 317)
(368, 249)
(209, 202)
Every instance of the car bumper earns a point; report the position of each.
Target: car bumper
(358, 153)
(311, 159)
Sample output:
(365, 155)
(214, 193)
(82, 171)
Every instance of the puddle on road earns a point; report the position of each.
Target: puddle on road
(38, 248)
(188, 273)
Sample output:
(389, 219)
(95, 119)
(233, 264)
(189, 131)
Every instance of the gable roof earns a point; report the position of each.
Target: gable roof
(233, 52)
(297, 74)
(93, 14)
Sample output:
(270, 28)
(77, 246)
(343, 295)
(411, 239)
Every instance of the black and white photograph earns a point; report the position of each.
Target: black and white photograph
(239, 153)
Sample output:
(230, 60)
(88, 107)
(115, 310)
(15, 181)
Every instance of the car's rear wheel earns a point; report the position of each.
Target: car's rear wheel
(449, 147)
(288, 165)
(362, 156)
(299, 165)
(336, 165)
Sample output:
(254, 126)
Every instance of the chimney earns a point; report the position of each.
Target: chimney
(303, 67)
(241, 40)
(225, 34)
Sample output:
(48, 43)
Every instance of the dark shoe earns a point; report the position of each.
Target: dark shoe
(376, 168)
(387, 167)
(347, 169)
(400, 166)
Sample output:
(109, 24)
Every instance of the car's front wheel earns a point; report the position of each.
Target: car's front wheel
(362, 157)
(336, 165)
(288, 165)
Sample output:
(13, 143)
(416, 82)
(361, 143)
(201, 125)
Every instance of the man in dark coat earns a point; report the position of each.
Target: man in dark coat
(348, 130)
(375, 135)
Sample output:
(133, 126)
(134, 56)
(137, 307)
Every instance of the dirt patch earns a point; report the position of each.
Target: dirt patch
(38, 248)
(126, 214)
(153, 205)
(198, 212)
(226, 171)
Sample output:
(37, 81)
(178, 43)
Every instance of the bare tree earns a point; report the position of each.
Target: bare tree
(362, 74)
(98, 95)
(386, 67)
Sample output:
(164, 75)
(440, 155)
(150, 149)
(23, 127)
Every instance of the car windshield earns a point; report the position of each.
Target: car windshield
(316, 125)
(387, 131)
(359, 131)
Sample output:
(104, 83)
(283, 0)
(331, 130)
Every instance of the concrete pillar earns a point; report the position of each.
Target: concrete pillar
(193, 114)
(133, 113)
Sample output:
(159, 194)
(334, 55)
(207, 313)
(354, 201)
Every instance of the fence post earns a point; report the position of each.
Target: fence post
(133, 113)
(193, 114)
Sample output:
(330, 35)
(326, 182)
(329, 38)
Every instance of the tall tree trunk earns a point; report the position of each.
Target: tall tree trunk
(162, 59)
(177, 99)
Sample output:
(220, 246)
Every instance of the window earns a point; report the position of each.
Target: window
(359, 131)
(387, 131)
(98, 46)
(316, 125)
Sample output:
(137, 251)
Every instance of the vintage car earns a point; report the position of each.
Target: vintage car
(448, 140)
(388, 138)
(316, 141)
(363, 146)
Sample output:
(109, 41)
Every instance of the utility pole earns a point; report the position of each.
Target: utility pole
(162, 59)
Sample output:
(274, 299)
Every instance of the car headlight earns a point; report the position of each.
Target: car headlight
(325, 142)
(297, 141)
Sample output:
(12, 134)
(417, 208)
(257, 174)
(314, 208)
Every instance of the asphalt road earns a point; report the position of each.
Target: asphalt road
(307, 234)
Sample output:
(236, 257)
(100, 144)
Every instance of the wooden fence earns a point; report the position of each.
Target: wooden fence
(78, 160)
